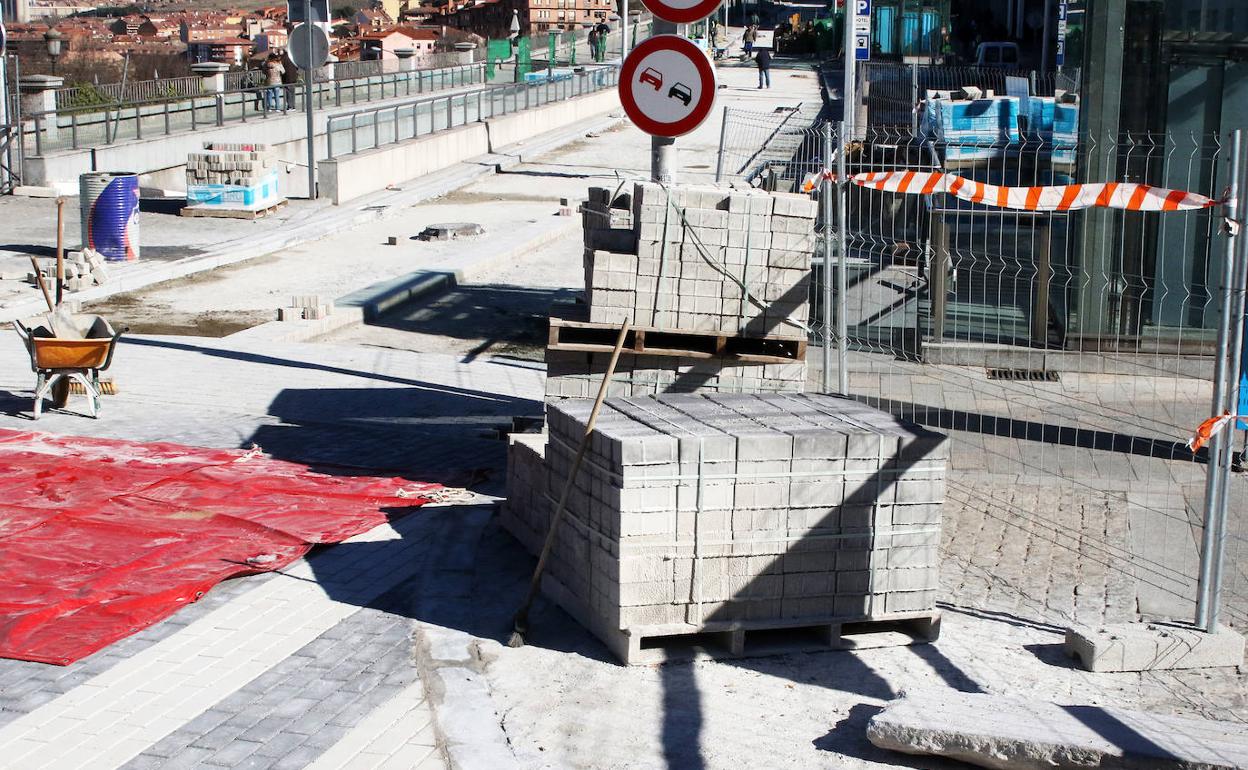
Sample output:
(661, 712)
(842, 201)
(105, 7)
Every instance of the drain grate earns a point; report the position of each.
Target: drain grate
(1027, 375)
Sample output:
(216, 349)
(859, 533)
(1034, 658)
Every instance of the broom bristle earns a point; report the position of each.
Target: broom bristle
(516, 641)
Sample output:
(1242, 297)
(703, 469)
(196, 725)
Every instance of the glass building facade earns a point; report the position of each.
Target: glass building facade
(1163, 83)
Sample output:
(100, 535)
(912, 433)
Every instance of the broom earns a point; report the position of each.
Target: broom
(521, 624)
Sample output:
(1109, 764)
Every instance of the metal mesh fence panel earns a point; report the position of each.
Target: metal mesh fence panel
(1068, 356)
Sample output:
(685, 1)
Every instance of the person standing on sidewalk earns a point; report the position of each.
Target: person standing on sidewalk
(763, 60)
(273, 71)
(747, 40)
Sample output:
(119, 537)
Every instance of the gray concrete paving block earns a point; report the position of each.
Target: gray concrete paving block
(998, 732)
(1153, 647)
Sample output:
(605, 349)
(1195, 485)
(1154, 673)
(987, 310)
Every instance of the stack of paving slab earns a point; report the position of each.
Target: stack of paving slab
(232, 177)
(575, 374)
(703, 259)
(708, 259)
(723, 513)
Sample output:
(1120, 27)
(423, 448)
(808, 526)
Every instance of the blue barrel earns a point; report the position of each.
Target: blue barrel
(110, 214)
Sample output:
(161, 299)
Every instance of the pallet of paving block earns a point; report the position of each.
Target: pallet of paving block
(229, 212)
(639, 646)
(589, 337)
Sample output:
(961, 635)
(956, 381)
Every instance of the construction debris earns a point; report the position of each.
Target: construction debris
(83, 269)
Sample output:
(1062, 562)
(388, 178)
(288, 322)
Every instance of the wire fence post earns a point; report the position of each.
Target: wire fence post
(1225, 382)
(825, 200)
(719, 160)
(842, 261)
(915, 99)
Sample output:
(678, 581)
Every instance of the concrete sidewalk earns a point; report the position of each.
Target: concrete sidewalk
(177, 247)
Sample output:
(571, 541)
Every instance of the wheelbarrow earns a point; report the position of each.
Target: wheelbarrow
(58, 360)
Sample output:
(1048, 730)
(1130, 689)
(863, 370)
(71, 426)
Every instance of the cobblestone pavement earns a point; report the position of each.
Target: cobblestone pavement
(1076, 499)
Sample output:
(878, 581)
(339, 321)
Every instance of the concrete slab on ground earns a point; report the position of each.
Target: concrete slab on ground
(1018, 734)
(1153, 647)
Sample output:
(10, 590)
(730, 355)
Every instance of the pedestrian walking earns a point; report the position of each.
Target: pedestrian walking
(273, 71)
(603, 31)
(747, 40)
(763, 60)
(593, 43)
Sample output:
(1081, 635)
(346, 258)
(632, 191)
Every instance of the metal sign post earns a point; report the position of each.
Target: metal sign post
(857, 48)
(307, 102)
(1059, 57)
(309, 49)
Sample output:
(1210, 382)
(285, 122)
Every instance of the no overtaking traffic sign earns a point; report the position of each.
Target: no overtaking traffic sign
(667, 85)
(681, 11)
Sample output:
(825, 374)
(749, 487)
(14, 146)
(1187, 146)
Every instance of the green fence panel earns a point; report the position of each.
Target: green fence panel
(524, 58)
(495, 51)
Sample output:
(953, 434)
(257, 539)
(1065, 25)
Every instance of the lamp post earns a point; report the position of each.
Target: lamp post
(53, 40)
(515, 51)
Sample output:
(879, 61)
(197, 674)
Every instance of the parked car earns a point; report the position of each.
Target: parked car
(1003, 55)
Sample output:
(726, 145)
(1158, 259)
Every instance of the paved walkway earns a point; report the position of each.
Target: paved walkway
(314, 664)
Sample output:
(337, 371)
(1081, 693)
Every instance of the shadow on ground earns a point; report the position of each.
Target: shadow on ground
(500, 316)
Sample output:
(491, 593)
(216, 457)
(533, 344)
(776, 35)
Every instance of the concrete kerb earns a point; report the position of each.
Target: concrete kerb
(317, 223)
(470, 725)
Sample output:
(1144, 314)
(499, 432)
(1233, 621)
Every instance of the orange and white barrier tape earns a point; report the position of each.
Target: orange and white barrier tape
(1210, 428)
(812, 180)
(1067, 197)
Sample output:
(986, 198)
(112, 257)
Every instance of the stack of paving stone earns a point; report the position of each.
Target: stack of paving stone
(722, 513)
(708, 259)
(231, 179)
(703, 259)
(575, 374)
(242, 165)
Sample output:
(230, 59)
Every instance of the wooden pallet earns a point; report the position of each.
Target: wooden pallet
(746, 639)
(221, 212)
(585, 336)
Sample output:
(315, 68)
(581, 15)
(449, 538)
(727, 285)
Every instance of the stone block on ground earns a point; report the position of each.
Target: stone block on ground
(1000, 732)
(1153, 647)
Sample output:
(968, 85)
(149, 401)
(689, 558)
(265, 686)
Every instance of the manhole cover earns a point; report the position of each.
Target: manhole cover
(447, 231)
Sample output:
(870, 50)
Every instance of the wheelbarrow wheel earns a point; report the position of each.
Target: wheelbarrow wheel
(60, 393)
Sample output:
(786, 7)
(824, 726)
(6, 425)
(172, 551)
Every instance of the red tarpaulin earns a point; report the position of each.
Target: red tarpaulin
(100, 538)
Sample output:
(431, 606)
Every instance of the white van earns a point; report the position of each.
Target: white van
(1004, 55)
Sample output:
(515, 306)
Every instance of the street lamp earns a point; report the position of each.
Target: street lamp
(53, 39)
(515, 24)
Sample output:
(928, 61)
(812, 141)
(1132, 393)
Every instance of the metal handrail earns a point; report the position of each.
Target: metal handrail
(406, 120)
(108, 123)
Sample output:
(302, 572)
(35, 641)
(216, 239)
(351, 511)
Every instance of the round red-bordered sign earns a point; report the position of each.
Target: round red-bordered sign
(682, 11)
(667, 85)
